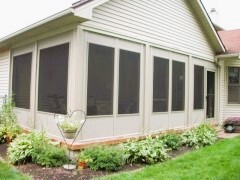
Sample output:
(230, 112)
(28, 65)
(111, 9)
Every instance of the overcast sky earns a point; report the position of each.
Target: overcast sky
(17, 14)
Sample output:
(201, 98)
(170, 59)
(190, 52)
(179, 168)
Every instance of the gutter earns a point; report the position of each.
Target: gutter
(237, 55)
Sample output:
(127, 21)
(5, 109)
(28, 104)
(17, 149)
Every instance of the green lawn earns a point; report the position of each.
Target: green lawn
(7, 172)
(220, 161)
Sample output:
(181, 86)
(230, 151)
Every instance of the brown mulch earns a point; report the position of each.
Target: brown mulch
(41, 173)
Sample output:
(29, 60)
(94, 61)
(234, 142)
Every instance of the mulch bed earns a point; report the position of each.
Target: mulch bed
(41, 173)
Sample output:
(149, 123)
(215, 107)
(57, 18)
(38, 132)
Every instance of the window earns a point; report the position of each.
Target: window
(100, 80)
(198, 87)
(160, 84)
(178, 86)
(53, 79)
(21, 80)
(129, 80)
(233, 85)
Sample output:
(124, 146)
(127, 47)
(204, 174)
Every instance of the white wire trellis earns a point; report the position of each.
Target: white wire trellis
(67, 119)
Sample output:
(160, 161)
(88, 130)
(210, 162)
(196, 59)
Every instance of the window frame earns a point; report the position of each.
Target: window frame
(227, 88)
(118, 82)
(15, 54)
(169, 83)
(185, 89)
(48, 43)
(203, 88)
(87, 78)
(117, 44)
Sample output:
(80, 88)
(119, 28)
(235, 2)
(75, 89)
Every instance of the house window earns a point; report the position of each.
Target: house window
(21, 80)
(234, 85)
(53, 79)
(160, 84)
(100, 80)
(178, 86)
(129, 81)
(198, 87)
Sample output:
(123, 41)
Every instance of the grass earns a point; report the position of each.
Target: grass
(8, 172)
(220, 161)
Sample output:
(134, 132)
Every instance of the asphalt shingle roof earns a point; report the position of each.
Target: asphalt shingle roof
(231, 40)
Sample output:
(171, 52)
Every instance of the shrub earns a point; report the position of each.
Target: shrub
(200, 136)
(49, 155)
(34, 146)
(104, 158)
(172, 141)
(19, 151)
(147, 151)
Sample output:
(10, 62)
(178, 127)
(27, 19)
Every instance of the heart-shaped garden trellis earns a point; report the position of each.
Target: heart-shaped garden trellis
(70, 126)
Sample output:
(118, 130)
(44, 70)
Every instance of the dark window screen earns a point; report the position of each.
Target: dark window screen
(21, 80)
(129, 78)
(198, 87)
(233, 85)
(53, 79)
(160, 84)
(178, 86)
(100, 80)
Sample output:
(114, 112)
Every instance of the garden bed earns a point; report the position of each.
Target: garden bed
(38, 172)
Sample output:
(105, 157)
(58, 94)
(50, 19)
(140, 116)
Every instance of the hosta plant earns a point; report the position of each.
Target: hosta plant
(200, 136)
(172, 141)
(148, 151)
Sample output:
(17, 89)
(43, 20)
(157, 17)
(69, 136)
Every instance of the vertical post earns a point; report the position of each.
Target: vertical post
(147, 95)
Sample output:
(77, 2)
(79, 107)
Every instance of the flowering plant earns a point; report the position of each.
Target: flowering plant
(232, 121)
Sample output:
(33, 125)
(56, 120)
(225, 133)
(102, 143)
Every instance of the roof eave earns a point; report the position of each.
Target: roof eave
(208, 25)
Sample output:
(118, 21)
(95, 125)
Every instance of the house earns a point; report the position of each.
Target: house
(229, 74)
(135, 67)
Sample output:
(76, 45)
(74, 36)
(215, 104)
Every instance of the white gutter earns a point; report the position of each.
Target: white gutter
(229, 55)
(39, 23)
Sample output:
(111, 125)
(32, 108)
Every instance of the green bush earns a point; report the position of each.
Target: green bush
(172, 141)
(200, 136)
(36, 147)
(19, 151)
(49, 155)
(149, 151)
(105, 158)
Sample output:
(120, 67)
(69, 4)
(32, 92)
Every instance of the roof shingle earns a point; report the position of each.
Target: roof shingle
(231, 40)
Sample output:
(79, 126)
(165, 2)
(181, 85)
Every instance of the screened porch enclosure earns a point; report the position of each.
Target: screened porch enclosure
(123, 90)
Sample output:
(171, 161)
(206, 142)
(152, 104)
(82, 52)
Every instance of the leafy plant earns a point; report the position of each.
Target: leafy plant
(68, 126)
(200, 136)
(49, 155)
(172, 141)
(21, 149)
(84, 158)
(149, 151)
(8, 122)
(104, 158)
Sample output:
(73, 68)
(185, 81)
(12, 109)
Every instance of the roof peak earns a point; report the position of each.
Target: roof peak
(80, 3)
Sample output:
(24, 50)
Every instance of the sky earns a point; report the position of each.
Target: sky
(17, 14)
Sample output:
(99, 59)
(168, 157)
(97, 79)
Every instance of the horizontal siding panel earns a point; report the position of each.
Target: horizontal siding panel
(4, 77)
(166, 23)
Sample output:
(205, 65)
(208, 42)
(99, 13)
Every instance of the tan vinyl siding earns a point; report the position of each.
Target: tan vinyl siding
(4, 73)
(170, 24)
